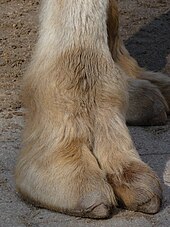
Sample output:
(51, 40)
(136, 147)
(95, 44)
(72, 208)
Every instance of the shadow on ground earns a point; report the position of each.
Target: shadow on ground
(151, 45)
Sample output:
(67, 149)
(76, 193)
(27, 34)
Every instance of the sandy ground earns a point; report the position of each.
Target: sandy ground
(146, 31)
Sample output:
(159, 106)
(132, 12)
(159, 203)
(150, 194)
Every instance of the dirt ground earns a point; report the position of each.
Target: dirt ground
(145, 27)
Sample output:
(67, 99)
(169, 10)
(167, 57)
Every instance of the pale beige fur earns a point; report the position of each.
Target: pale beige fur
(77, 155)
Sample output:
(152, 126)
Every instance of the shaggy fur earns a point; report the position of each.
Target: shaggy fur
(77, 155)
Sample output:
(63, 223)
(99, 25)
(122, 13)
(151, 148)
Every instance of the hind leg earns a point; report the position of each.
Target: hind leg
(131, 68)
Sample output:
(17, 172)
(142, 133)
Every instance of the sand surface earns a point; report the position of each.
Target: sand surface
(145, 27)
